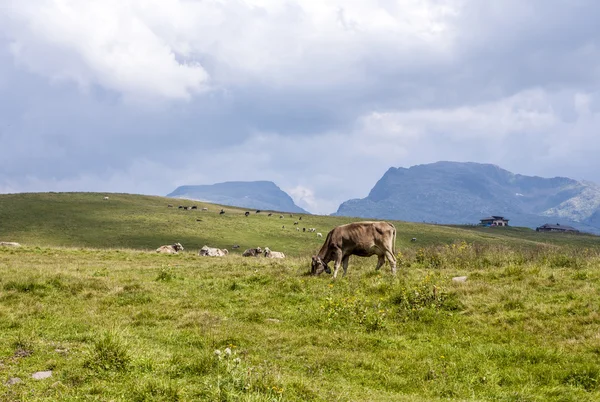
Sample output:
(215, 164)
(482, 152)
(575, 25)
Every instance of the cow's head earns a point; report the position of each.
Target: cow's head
(177, 246)
(318, 266)
(259, 250)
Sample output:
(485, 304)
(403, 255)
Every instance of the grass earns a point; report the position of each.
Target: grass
(117, 322)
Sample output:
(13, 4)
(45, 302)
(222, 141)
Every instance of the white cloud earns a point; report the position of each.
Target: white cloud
(160, 48)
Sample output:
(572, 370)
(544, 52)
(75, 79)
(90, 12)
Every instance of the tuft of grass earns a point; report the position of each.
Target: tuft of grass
(108, 353)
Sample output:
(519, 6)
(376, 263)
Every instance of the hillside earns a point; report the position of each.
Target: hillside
(263, 195)
(145, 222)
(462, 193)
(87, 301)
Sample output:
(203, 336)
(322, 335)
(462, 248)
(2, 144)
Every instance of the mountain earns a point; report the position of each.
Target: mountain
(463, 193)
(247, 194)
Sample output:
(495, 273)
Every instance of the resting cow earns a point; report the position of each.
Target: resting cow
(273, 254)
(212, 252)
(252, 252)
(363, 239)
(170, 249)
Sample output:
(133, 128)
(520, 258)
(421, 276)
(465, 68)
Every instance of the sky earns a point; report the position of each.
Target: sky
(320, 97)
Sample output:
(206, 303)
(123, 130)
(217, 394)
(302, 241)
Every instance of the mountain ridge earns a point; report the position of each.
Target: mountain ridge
(264, 195)
(464, 192)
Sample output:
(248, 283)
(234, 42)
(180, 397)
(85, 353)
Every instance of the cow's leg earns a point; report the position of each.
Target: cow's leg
(392, 260)
(380, 261)
(337, 263)
(345, 264)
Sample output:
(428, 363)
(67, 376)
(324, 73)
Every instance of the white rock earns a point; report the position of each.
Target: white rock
(40, 375)
(9, 244)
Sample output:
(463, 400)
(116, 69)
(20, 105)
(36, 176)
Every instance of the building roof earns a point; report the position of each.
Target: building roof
(558, 226)
(494, 218)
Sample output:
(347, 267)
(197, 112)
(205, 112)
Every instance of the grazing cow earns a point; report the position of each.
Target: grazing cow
(222, 212)
(105, 198)
(297, 229)
(300, 218)
(273, 254)
(194, 207)
(212, 252)
(304, 229)
(235, 246)
(319, 235)
(185, 208)
(280, 216)
(247, 213)
(414, 239)
(170, 249)
(205, 209)
(180, 207)
(363, 239)
(258, 211)
(170, 206)
(283, 226)
(198, 220)
(252, 252)
(270, 214)
(295, 223)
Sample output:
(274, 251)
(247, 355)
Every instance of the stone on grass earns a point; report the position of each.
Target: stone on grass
(13, 381)
(9, 244)
(40, 375)
(459, 279)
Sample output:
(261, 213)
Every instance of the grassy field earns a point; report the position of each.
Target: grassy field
(86, 298)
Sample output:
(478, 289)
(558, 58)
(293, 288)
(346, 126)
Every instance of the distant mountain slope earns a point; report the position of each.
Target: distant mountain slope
(247, 194)
(454, 192)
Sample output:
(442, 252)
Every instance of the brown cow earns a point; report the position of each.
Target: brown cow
(252, 252)
(363, 239)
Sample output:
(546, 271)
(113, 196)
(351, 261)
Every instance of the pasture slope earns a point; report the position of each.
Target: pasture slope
(86, 298)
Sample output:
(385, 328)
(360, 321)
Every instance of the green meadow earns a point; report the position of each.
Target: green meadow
(87, 297)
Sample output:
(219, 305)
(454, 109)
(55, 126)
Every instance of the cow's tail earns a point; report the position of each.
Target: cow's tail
(393, 239)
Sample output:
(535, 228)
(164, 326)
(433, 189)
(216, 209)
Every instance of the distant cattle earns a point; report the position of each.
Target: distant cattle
(280, 216)
(300, 218)
(270, 214)
(414, 239)
(105, 198)
(9, 244)
(252, 252)
(247, 213)
(297, 229)
(304, 229)
(363, 239)
(312, 230)
(222, 212)
(273, 254)
(212, 252)
(235, 246)
(319, 235)
(295, 223)
(258, 211)
(205, 209)
(180, 207)
(170, 249)
(170, 206)
(194, 207)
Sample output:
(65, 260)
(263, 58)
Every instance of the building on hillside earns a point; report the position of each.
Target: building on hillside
(548, 227)
(494, 221)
